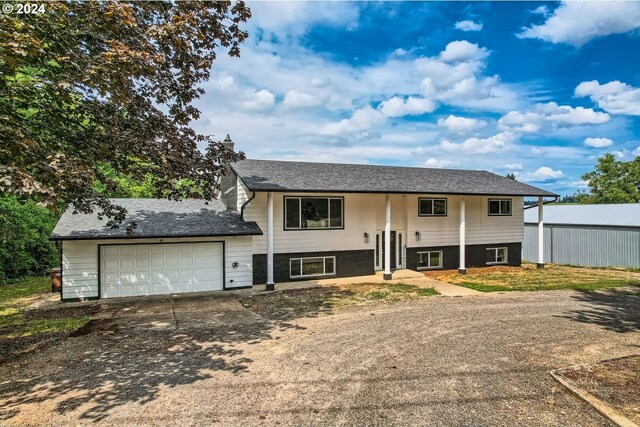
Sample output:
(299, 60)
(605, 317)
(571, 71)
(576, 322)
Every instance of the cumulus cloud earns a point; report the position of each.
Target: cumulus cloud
(542, 174)
(468, 25)
(551, 114)
(615, 97)
(462, 50)
(636, 152)
(258, 101)
(295, 99)
(398, 107)
(436, 163)
(514, 166)
(520, 122)
(361, 120)
(578, 22)
(598, 142)
(492, 144)
(457, 124)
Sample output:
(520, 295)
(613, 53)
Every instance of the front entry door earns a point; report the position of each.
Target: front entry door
(393, 250)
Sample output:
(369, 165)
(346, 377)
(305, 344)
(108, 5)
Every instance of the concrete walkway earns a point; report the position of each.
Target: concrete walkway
(409, 277)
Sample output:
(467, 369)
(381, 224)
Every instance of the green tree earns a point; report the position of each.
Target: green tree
(512, 176)
(89, 84)
(25, 248)
(613, 181)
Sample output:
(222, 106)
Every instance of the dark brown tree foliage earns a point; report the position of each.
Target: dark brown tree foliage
(88, 84)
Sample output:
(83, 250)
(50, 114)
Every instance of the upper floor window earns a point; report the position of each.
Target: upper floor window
(499, 206)
(313, 213)
(432, 207)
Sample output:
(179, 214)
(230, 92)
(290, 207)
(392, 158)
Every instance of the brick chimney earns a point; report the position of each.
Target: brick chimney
(228, 143)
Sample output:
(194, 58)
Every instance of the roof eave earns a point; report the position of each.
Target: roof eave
(153, 236)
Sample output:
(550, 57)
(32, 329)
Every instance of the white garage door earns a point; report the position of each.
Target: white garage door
(133, 270)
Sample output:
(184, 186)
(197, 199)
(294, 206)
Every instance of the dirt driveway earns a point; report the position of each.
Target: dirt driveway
(436, 361)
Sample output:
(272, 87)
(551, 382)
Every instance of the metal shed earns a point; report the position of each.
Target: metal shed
(589, 235)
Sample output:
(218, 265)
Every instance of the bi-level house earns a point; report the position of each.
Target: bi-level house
(279, 221)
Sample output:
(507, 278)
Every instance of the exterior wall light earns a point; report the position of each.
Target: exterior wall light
(366, 237)
(235, 264)
(418, 236)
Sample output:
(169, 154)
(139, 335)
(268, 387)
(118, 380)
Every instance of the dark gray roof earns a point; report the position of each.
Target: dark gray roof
(285, 176)
(157, 218)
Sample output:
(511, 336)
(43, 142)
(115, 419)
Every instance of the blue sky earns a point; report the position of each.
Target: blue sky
(539, 89)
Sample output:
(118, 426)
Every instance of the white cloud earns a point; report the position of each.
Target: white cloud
(577, 22)
(551, 114)
(462, 50)
(468, 25)
(435, 163)
(495, 143)
(567, 115)
(615, 97)
(362, 119)
(295, 99)
(258, 101)
(598, 142)
(398, 107)
(514, 166)
(636, 152)
(457, 124)
(520, 122)
(541, 10)
(542, 174)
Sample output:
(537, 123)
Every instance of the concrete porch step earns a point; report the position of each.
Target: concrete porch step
(403, 274)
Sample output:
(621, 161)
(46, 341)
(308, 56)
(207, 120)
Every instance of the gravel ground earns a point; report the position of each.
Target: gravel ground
(438, 361)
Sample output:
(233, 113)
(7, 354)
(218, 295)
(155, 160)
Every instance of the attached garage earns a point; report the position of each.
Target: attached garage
(157, 269)
(177, 247)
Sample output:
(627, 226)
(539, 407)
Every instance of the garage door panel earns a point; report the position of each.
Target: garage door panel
(135, 270)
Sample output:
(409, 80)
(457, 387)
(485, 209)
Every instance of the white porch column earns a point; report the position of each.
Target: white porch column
(462, 269)
(540, 263)
(387, 238)
(270, 284)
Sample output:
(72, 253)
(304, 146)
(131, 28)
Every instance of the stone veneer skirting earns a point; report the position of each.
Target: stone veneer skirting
(475, 255)
(348, 264)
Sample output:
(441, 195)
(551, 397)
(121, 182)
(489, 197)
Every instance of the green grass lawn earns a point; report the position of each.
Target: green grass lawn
(363, 292)
(529, 278)
(16, 296)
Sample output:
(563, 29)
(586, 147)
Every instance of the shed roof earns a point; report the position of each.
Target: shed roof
(627, 214)
(157, 218)
(285, 176)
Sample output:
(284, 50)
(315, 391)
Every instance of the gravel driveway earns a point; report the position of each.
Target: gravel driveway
(437, 361)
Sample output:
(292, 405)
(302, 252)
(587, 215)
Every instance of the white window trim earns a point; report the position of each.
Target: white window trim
(284, 206)
(432, 199)
(506, 255)
(431, 267)
(500, 207)
(324, 267)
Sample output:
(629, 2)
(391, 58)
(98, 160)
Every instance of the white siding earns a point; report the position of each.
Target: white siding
(481, 228)
(243, 194)
(80, 263)
(364, 213)
(360, 211)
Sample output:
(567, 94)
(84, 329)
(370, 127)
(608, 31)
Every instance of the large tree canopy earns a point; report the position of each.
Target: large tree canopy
(613, 181)
(89, 87)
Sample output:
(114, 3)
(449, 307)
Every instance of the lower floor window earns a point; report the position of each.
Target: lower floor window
(432, 259)
(496, 255)
(320, 266)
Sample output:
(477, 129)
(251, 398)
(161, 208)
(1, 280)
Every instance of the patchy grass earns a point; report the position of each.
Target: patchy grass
(529, 278)
(15, 322)
(311, 302)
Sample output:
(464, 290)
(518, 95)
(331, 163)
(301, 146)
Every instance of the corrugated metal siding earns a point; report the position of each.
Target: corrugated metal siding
(594, 246)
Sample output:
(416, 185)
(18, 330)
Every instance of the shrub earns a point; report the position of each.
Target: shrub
(25, 249)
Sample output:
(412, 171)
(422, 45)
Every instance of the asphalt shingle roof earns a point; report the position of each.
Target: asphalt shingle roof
(285, 176)
(158, 218)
